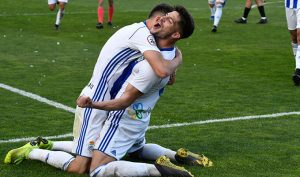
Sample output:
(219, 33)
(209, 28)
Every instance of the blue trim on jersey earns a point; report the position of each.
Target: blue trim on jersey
(86, 117)
(288, 3)
(117, 115)
(295, 4)
(121, 80)
(123, 55)
(110, 66)
(111, 130)
(109, 70)
(167, 49)
(161, 91)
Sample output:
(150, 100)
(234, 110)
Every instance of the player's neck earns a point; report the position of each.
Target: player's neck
(165, 43)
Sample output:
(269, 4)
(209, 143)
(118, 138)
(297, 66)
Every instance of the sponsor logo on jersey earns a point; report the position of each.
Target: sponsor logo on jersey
(138, 111)
(151, 40)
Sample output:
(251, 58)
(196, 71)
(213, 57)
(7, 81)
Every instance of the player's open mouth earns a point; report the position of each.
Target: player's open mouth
(157, 25)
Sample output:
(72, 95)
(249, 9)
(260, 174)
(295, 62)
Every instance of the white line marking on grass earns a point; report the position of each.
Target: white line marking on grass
(253, 6)
(14, 140)
(266, 116)
(69, 109)
(38, 98)
(94, 12)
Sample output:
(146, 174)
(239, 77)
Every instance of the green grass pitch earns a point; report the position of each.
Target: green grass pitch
(242, 70)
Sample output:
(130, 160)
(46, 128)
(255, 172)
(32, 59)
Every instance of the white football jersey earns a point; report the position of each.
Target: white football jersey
(124, 130)
(146, 81)
(125, 45)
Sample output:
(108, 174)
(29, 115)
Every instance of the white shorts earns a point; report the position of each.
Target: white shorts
(55, 1)
(211, 1)
(214, 1)
(122, 134)
(86, 130)
(291, 18)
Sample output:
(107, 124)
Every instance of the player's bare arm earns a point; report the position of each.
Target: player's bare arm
(162, 67)
(129, 96)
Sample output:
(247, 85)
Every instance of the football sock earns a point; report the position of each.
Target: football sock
(65, 146)
(59, 16)
(56, 159)
(261, 10)
(218, 16)
(125, 168)
(246, 12)
(294, 47)
(110, 13)
(297, 58)
(153, 151)
(100, 14)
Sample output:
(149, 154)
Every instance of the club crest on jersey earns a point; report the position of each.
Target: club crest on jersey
(151, 40)
(91, 146)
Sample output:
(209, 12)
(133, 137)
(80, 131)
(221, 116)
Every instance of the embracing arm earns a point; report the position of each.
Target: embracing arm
(162, 67)
(129, 96)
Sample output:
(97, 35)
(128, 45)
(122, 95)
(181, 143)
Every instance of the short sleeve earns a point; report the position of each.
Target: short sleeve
(143, 77)
(142, 40)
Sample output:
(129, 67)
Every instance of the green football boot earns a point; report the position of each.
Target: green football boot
(44, 143)
(186, 157)
(16, 156)
(167, 168)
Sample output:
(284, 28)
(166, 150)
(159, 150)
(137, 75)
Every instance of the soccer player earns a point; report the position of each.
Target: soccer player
(60, 12)
(218, 6)
(124, 130)
(261, 9)
(212, 7)
(101, 13)
(292, 14)
(107, 69)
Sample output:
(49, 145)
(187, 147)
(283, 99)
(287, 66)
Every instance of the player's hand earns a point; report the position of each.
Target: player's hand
(84, 101)
(172, 79)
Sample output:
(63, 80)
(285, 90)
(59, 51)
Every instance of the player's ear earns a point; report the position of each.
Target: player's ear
(176, 35)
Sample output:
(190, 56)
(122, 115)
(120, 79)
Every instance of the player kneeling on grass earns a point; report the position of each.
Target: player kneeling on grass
(144, 86)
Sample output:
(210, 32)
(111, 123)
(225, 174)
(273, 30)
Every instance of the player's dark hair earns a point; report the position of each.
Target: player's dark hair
(186, 23)
(161, 8)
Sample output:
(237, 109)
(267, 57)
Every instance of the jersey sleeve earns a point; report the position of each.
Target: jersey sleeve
(142, 40)
(143, 77)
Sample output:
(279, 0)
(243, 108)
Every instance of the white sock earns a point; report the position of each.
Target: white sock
(56, 159)
(65, 146)
(125, 168)
(59, 16)
(297, 58)
(153, 151)
(294, 47)
(218, 16)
